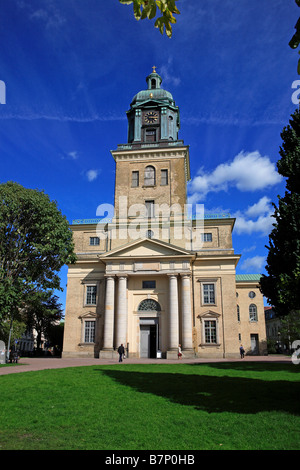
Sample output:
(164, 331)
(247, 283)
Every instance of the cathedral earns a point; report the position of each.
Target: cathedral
(157, 272)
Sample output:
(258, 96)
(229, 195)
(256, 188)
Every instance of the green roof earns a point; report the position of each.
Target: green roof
(248, 277)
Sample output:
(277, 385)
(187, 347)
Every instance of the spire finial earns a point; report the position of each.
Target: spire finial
(153, 68)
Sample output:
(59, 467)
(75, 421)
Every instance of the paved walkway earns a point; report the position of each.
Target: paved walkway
(33, 364)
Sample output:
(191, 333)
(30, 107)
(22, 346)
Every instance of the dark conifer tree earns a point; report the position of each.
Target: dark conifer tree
(281, 286)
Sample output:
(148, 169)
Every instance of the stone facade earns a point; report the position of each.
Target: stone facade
(153, 277)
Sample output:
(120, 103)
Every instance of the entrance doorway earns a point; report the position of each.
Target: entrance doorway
(254, 343)
(148, 340)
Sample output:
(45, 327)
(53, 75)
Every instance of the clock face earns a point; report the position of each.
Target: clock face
(151, 117)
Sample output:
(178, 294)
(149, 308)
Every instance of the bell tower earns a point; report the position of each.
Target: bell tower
(152, 168)
(153, 117)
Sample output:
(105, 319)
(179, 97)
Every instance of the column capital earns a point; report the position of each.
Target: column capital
(188, 275)
(109, 276)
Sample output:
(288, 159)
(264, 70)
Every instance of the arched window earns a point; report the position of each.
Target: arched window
(153, 83)
(252, 312)
(149, 177)
(149, 305)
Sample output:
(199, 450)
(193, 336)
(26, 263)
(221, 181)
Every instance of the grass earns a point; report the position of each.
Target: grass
(152, 407)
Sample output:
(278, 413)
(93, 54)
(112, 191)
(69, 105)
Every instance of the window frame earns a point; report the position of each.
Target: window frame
(164, 177)
(253, 314)
(96, 241)
(149, 281)
(203, 285)
(150, 204)
(89, 331)
(206, 237)
(136, 180)
(149, 181)
(210, 329)
(91, 294)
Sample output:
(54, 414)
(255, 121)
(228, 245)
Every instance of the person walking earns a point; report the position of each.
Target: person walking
(242, 352)
(179, 352)
(121, 352)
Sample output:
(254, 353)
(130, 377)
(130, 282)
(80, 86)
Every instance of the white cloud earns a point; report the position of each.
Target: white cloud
(256, 263)
(166, 72)
(261, 221)
(92, 175)
(261, 207)
(73, 155)
(246, 172)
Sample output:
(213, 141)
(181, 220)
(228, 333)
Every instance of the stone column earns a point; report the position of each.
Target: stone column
(173, 315)
(108, 332)
(186, 312)
(121, 333)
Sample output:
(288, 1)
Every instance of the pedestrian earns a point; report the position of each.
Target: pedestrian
(179, 352)
(121, 352)
(242, 352)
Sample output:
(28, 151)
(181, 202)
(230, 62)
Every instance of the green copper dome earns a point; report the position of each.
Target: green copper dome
(154, 91)
(153, 117)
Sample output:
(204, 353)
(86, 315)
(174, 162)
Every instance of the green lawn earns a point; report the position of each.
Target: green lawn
(238, 405)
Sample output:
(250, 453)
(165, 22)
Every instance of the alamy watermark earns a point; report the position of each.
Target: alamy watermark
(2, 92)
(296, 95)
(296, 353)
(159, 221)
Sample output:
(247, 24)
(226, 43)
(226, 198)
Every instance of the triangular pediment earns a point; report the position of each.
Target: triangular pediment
(208, 314)
(150, 102)
(146, 248)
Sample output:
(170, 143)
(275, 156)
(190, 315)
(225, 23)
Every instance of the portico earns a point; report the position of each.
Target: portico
(148, 298)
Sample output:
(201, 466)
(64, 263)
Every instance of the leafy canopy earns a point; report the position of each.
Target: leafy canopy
(149, 8)
(35, 242)
(295, 41)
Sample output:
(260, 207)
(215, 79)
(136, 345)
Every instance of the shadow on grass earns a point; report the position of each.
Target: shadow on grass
(253, 366)
(214, 394)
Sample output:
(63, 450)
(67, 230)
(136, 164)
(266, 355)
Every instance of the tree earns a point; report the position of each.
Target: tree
(43, 311)
(290, 328)
(35, 242)
(295, 41)
(148, 9)
(282, 284)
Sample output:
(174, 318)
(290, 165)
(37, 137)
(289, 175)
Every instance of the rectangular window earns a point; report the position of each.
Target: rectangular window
(208, 293)
(206, 237)
(210, 327)
(164, 177)
(149, 284)
(91, 295)
(94, 241)
(135, 179)
(149, 208)
(89, 332)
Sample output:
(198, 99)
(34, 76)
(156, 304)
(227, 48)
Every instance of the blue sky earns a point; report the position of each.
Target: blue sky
(71, 68)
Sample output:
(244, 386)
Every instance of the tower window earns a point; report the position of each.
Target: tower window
(149, 177)
(153, 83)
(206, 237)
(164, 177)
(149, 209)
(135, 179)
(150, 135)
